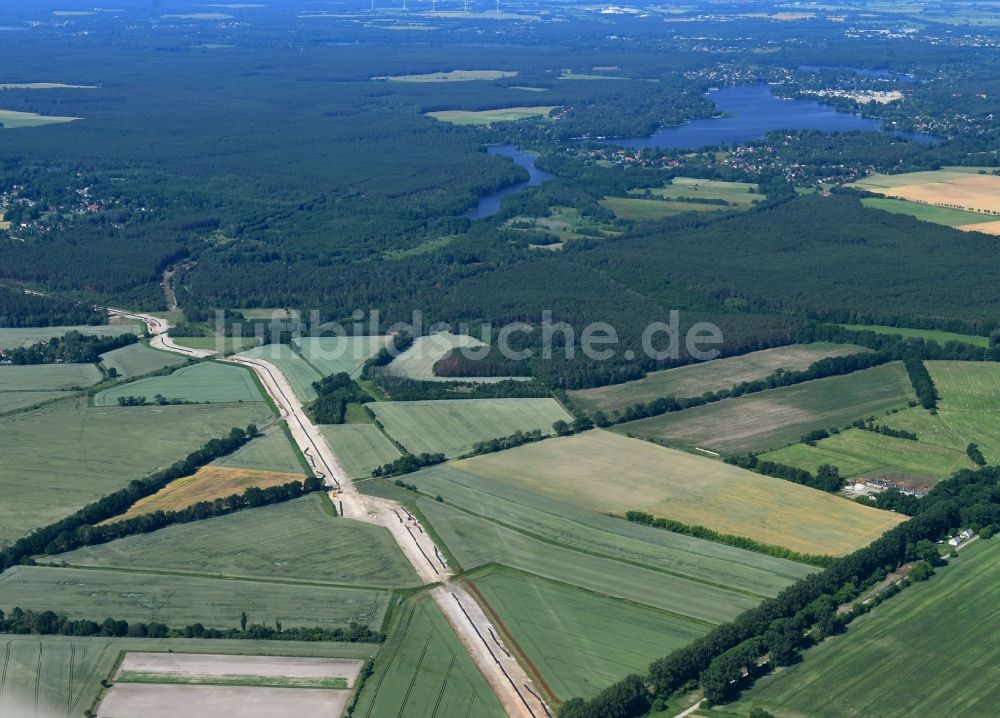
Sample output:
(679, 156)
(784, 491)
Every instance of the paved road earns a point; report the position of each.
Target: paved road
(481, 639)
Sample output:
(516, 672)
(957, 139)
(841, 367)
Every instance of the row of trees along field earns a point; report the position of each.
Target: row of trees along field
(73, 530)
(71, 348)
(49, 623)
(722, 660)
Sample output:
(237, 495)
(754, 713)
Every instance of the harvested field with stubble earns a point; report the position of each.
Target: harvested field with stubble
(956, 188)
(454, 426)
(775, 418)
(715, 375)
(207, 484)
(134, 596)
(293, 541)
(610, 473)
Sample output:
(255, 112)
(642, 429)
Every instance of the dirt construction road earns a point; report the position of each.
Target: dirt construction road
(506, 677)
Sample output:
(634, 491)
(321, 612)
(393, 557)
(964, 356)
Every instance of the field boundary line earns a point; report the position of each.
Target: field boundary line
(219, 577)
(3, 673)
(519, 653)
(487, 568)
(400, 631)
(595, 554)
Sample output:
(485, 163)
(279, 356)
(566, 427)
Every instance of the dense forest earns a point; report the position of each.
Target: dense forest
(22, 309)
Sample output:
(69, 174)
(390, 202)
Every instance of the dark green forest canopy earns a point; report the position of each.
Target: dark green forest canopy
(275, 172)
(823, 257)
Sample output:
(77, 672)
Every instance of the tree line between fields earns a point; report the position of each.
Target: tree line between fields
(71, 348)
(85, 527)
(49, 623)
(734, 654)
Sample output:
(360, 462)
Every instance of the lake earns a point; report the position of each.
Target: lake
(752, 111)
(490, 204)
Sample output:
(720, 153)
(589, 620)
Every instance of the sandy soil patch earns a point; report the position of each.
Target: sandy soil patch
(984, 227)
(207, 665)
(136, 700)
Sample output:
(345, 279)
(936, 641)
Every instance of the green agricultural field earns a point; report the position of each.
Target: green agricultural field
(9, 119)
(360, 448)
(916, 654)
(61, 675)
(566, 224)
(574, 75)
(181, 601)
(453, 426)
(609, 473)
(270, 452)
(478, 543)
(298, 371)
(418, 361)
(332, 355)
(48, 377)
(581, 529)
(488, 117)
(451, 76)
(927, 212)
(967, 386)
(771, 419)
(227, 345)
(44, 86)
(138, 359)
(877, 181)
(938, 336)
(205, 382)
(580, 642)
(18, 337)
(295, 541)
(424, 670)
(696, 379)
(969, 412)
(61, 457)
(17, 400)
(864, 453)
(645, 210)
(743, 194)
